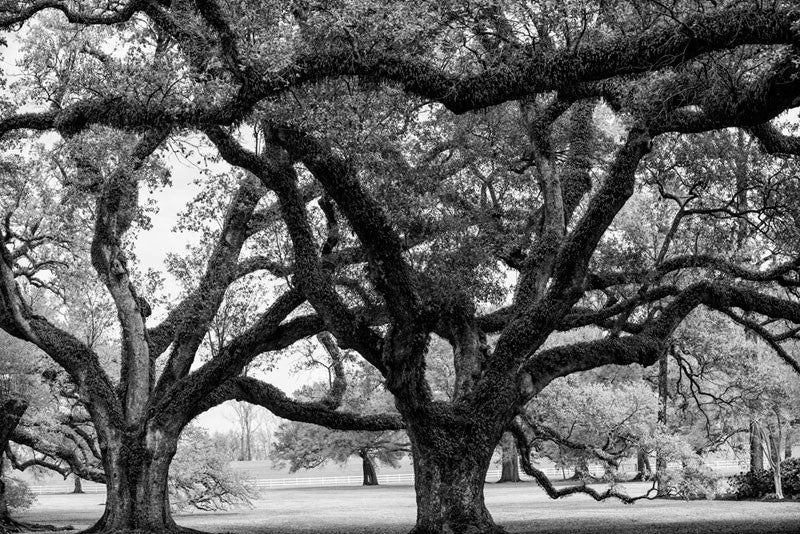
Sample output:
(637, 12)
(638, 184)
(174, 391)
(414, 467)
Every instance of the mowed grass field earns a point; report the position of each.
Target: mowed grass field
(521, 508)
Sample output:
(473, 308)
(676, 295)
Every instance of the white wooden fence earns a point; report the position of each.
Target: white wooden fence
(723, 466)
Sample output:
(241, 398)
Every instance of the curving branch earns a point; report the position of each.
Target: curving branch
(265, 335)
(61, 455)
(266, 395)
(186, 325)
(778, 273)
(773, 141)
(116, 208)
(383, 248)
(645, 347)
(277, 174)
(523, 444)
(530, 327)
(15, 13)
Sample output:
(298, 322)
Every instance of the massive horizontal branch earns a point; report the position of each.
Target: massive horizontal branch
(527, 74)
(515, 78)
(644, 348)
(750, 103)
(778, 273)
(266, 395)
(773, 141)
(14, 14)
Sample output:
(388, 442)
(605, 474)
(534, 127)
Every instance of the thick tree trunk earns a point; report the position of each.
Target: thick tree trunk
(78, 488)
(756, 449)
(510, 459)
(450, 466)
(137, 498)
(370, 477)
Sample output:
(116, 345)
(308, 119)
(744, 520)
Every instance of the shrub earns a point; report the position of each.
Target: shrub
(758, 484)
(18, 495)
(790, 477)
(691, 482)
(752, 484)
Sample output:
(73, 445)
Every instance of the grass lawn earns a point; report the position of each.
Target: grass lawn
(521, 508)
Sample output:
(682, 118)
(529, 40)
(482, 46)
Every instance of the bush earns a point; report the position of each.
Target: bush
(790, 476)
(752, 484)
(759, 484)
(200, 477)
(690, 483)
(18, 494)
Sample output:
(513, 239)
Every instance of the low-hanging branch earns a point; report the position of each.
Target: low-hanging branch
(524, 447)
(270, 397)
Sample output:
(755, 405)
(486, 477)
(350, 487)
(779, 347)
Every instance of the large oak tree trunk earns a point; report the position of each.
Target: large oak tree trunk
(450, 466)
(137, 495)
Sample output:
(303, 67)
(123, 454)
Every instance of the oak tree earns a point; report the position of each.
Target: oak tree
(419, 157)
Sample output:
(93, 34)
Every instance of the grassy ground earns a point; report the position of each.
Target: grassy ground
(521, 508)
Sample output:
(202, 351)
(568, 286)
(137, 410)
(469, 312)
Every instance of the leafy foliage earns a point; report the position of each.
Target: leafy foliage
(761, 483)
(200, 477)
(305, 446)
(18, 494)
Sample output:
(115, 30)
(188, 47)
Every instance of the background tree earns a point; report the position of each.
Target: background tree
(305, 446)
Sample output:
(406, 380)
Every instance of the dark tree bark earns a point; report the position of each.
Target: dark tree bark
(136, 489)
(450, 465)
(509, 459)
(78, 488)
(368, 468)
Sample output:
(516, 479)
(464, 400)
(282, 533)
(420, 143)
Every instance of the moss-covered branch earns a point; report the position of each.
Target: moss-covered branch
(266, 395)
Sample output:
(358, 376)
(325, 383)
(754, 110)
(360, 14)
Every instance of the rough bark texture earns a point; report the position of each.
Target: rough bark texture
(451, 458)
(136, 489)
